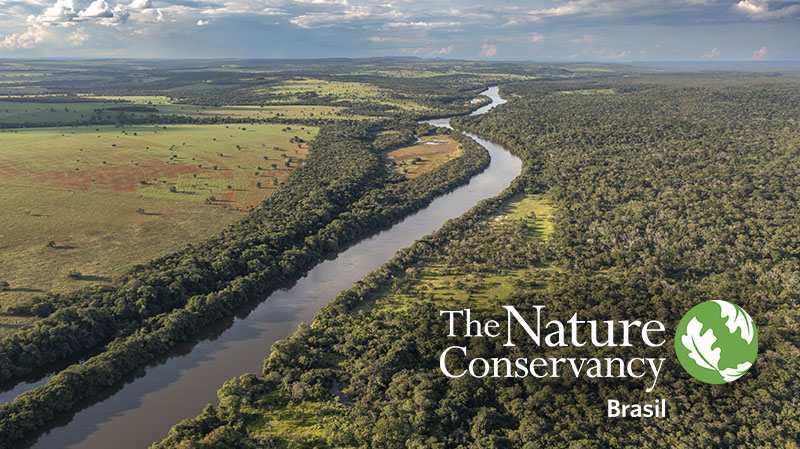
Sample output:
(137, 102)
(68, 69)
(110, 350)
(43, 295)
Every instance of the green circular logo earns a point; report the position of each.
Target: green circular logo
(716, 342)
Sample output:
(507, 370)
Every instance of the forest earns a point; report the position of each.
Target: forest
(665, 190)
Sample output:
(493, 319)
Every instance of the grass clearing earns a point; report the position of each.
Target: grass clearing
(429, 153)
(291, 421)
(97, 234)
(299, 88)
(180, 162)
(534, 208)
(21, 113)
(82, 189)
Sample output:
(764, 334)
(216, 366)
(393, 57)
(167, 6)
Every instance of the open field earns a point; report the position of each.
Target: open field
(266, 112)
(429, 153)
(94, 233)
(344, 91)
(287, 420)
(188, 163)
(56, 113)
(112, 197)
(22, 113)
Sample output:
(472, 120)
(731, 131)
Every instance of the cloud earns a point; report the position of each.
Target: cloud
(98, 8)
(566, 9)
(760, 53)
(67, 13)
(324, 2)
(488, 51)
(35, 35)
(346, 14)
(78, 37)
(420, 24)
(760, 10)
(238, 8)
(713, 53)
(61, 11)
(141, 4)
(453, 28)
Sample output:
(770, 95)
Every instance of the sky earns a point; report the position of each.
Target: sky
(539, 30)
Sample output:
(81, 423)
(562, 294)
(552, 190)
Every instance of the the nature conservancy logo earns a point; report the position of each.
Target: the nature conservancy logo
(716, 342)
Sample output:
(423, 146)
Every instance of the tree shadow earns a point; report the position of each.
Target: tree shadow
(24, 290)
(91, 277)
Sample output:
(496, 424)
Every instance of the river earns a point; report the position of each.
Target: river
(178, 385)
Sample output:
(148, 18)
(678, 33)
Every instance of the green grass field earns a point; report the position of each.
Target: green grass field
(279, 417)
(112, 197)
(16, 113)
(22, 113)
(180, 162)
(429, 153)
(345, 91)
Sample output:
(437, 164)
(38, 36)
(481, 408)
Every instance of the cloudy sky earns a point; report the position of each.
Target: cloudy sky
(563, 30)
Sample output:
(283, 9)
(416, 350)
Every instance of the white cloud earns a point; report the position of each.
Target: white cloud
(750, 7)
(202, 22)
(567, 9)
(324, 2)
(536, 38)
(422, 24)
(761, 53)
(759, 9)
(61, 11)
(141, 4)
(240, 7)
(35, 35)
(446, 50)
(349, 14)
(713, 53)
(488, 51)
(98, 8)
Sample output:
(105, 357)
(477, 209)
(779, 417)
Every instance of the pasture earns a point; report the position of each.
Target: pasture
(427, 154)
(294, 90)
(25, 113)
(180, 162)
(82, 204)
